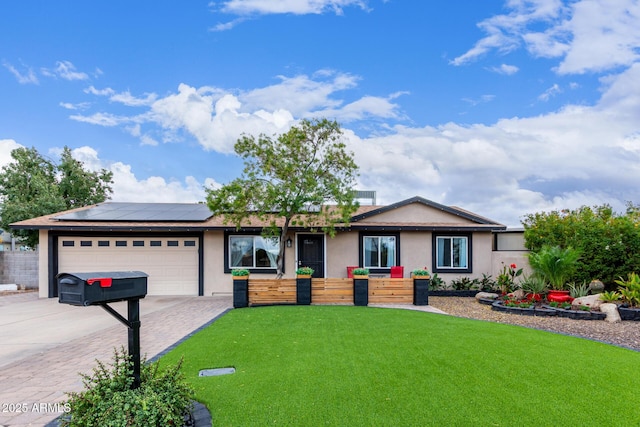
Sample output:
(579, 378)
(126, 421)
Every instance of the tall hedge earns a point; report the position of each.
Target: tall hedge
(609, 241)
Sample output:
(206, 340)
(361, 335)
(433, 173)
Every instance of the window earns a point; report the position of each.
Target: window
(138, 243)
(452, 253)
(103, 243)
(379, 252)
(86, 243)
(253, 252)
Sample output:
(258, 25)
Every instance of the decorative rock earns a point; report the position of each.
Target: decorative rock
(611, 310)
(596, 286)
(518, 294)
(592, 301)
(486, 295)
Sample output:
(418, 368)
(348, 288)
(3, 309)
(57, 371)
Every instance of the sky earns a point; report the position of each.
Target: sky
(503, 108)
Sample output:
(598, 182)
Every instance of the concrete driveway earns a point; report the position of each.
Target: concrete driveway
(44, 345)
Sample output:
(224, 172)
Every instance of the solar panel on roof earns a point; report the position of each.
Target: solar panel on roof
(140, 212)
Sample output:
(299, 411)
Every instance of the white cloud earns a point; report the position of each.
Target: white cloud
(128, 188)
(78, 106)
(298, 7)
(580, 155)
(6, 147)
(26, 77)
(216, 117)
(65, 70)
(588, 35)
(505, 69)
(550, 93)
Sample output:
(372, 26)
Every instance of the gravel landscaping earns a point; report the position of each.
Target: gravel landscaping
(624, 334)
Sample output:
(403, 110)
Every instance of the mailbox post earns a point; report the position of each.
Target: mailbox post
(101, 288)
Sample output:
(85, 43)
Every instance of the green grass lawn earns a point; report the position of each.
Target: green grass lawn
(361, 366)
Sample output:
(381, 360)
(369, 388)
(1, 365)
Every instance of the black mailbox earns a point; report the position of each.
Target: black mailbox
(101, 287)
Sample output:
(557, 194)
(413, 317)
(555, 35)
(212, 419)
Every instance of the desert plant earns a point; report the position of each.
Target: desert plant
(163, 398)
(239, 272)
(577, 291)
(533, 284)
(610, 296)
(308, 271)
(630, 290)
(554, 264)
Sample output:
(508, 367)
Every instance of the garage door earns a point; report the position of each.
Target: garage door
(170, 262)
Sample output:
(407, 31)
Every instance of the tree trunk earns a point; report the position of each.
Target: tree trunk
(280, 260)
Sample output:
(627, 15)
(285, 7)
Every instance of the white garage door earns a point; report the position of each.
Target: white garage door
(170, 262)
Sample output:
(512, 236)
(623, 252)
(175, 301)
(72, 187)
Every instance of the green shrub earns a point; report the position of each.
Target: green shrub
(163, 398)
(630, 290)
(609, 242)
(610, 296)
(361, 272)
(465, 284)
(436, 283)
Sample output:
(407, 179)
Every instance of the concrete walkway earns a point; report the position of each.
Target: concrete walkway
(44, 345)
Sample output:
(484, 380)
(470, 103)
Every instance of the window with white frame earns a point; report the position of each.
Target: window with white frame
(253, 252)
(379, 251)
(452, 252)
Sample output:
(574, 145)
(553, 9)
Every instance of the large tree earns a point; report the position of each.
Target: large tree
(304, 178)
(33, 185)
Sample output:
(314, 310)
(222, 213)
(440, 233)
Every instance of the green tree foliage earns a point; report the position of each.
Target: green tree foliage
(33, 185)
(304, 178)
(609, 243)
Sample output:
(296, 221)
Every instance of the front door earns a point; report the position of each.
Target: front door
(311, 253)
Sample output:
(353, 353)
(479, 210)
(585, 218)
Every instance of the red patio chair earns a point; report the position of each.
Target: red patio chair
(350, 271)
(397, 272)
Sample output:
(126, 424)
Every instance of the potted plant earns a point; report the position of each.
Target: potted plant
(556, 266)
(629, 291)
(303, 285)
(361, 273)
(304, 272)
(240, 287)
(421, 286)
(240, 274)
(361, 286)
(421, 273)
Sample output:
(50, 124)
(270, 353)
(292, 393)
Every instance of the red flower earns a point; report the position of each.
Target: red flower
(513, 266)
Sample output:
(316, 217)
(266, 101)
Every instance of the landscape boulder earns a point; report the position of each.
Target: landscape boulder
(592, 301)
(611, 310)
(486, 295)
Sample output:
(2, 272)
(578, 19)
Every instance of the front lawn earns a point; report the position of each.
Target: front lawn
(362, 366)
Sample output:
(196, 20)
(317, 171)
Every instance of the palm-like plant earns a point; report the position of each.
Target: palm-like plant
(555, 264)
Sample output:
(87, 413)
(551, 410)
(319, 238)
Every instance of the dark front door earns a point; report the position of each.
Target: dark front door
(311, 253)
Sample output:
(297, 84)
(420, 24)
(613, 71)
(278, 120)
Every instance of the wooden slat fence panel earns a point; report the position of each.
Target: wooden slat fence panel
(272, 291)
(330, 291)
(390, 291)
